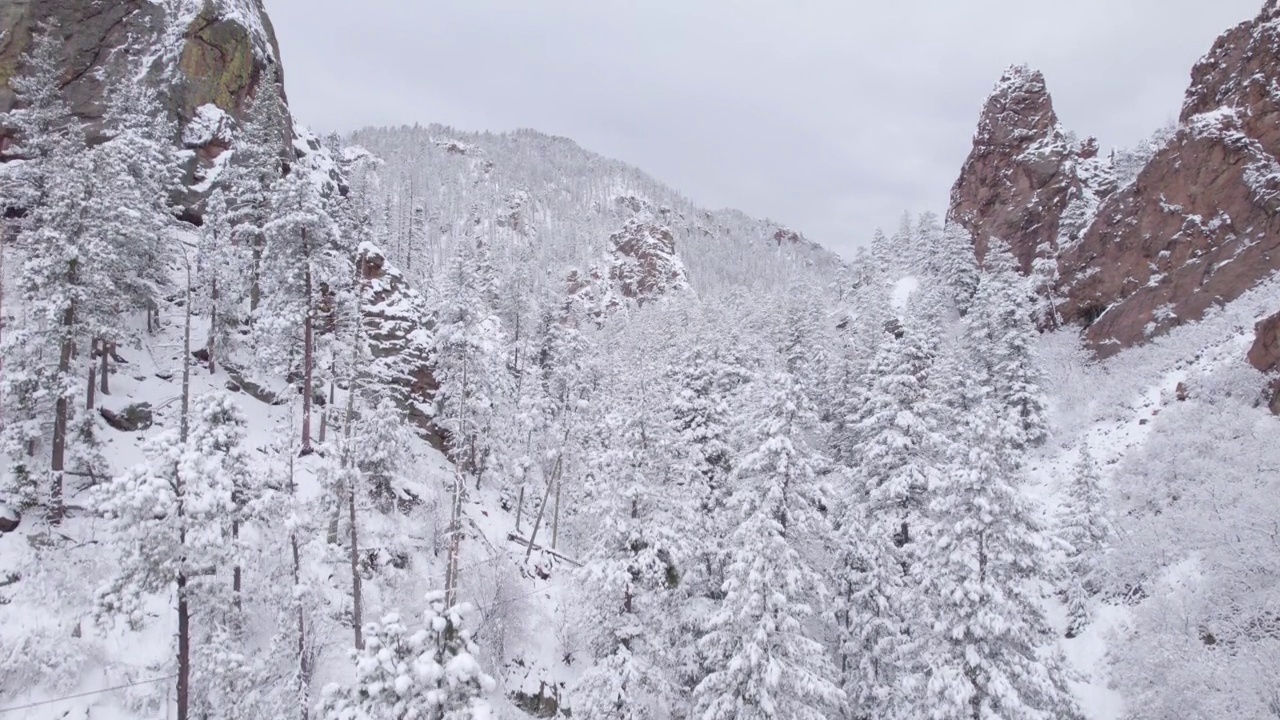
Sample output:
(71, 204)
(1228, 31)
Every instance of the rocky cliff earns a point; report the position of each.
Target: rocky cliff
(1026, 182)
(1129, 258)
(196, 52)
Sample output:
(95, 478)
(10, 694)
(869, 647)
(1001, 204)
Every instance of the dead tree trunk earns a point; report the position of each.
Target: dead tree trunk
(308, 351)
(555, 478)
(455, 544)
(184, 642)
(58, 454)
(304, 669)
(184, 425)
(211, 345)
(108, 350)
(356, 599)
(89, 398)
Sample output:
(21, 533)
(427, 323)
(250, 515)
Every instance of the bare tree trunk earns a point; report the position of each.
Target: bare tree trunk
(555, 477)
(356, 600)
(184, 640)
(93, 378)
(324, 414)
(58, 454)
(304, 670)
(238, 501)
(184, 425)
(4, 232)
(213, 329)
(455, 544)
(308, 353)
(520, 507)
(255, 275)
(108, 349)
(555, 519)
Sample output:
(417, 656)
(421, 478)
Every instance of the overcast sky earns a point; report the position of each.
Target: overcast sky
(832, 117)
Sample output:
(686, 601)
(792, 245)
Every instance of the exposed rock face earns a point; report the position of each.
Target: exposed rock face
(1024, 182)
(208, 52)
(1265, 354)
(394, 317)
(645, 264)
(1198, 225)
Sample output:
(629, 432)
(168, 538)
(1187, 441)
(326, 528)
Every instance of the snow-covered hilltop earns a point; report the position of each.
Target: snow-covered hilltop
(423, 423)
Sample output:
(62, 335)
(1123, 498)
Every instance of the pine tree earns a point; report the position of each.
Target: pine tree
(58, 237)
(896, 428)
(386, 682)
(765, 661)
(382, 453)
(173, 515)
(1085, 530)
(984, 549)
(1001, 339)
(880, 518)
(299, 261)
(624, 588)
(430, 674)
(221, 266)
(954, 265)
(468, 357)
(256, 166)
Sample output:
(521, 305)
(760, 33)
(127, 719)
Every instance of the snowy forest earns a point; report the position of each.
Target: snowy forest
(418, 423)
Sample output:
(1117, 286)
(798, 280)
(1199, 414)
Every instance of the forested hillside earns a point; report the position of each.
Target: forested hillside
(423, 423)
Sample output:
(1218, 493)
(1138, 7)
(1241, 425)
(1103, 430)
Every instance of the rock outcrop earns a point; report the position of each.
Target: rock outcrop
(1025, 182)
(1196, 227)
(1265, 354)
(395, 318)
(199, 53)
(645, 264)
(1199, 225)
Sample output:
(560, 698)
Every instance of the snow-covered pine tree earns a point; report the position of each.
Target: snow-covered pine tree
(898, 438)
(880, 518)
(429, 674)
(765, 658)
(623, 590)
(469, 357)
(953, 264)
(255, 168)
(61, 281)
(386, 685)
(1001, 339)
(221, 266)
(172, 516)
(382, 455)
(985, 549)
(300, 260)
(1084, 528)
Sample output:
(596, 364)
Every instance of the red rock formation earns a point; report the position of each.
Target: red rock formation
(1024, 183)
(1199, 225)
(645, 264)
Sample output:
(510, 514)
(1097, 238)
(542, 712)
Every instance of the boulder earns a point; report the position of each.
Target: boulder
(1265, 355)
(9, 519)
